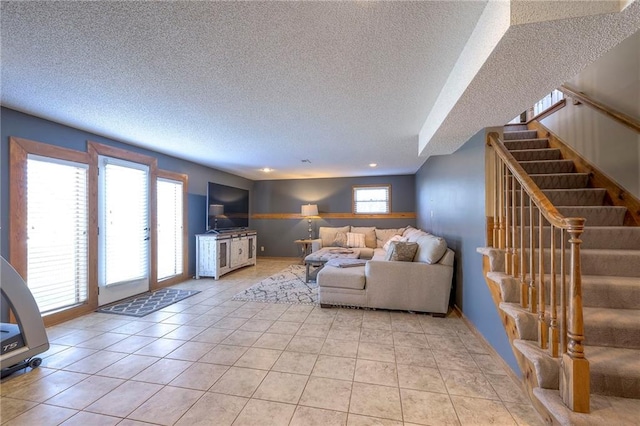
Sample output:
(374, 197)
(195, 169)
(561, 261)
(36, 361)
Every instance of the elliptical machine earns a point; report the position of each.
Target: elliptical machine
(22, 341)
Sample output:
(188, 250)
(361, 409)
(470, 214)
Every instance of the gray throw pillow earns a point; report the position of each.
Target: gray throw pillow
(340, 241)
(401, 251)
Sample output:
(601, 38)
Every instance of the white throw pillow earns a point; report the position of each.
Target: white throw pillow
(394, 238)
(369, 234)
(355, 240)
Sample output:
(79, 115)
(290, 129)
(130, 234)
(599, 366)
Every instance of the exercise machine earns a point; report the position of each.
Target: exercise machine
(22, 341)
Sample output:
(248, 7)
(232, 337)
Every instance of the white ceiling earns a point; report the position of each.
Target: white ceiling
(240, 86)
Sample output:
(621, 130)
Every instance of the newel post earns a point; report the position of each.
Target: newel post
(574, 368)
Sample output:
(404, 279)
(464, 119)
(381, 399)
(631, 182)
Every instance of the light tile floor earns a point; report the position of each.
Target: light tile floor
(209, 360)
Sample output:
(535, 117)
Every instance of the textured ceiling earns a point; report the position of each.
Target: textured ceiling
(244, 85)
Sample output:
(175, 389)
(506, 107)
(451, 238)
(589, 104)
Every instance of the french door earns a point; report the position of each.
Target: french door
(124, 229)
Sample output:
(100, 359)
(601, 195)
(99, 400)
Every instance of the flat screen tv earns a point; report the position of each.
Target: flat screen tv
(227, 207)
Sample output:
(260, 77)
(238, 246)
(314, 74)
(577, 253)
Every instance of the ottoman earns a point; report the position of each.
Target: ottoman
(341, 286)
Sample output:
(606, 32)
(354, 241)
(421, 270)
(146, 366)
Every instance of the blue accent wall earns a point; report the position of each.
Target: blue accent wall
(332, 195)
(450, 199)
(14, 123)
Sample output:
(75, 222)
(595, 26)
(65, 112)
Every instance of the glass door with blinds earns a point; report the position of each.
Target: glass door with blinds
(123, 233)
(57, 238)
(169, 228)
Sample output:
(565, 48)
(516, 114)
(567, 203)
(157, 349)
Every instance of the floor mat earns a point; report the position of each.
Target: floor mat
(147, 303)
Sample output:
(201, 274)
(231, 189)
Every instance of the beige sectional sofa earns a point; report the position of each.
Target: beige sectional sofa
(422, 284)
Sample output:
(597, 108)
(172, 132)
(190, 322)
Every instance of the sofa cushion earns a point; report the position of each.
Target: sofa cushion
(383, 235)
(369, 234)
(412, 234)
(355, 240)
(352, 278)
(430, 248)
(400, 251)
(328, 234)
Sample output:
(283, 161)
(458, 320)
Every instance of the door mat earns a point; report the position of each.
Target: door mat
(147, 303)
(287, 286)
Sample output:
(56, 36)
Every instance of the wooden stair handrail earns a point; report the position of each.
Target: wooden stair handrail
(548, 210)
(610, 112)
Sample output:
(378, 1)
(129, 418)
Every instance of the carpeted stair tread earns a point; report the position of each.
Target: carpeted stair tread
(594, 215)
(618, 328)
(546, 368)
(534, 143)
(614, 371)
(604, 410)
(509, 286)
(576, 197)
(610, 292)
(525, 321)
(568, 197)
(512, 127)
(598, 291)
(536, 154)
(596, 237)
(520, 134)
(619, 263)
(560, 180)
(603, 326)
(547, 166)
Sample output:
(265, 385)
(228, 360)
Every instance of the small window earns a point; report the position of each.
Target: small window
(372, 199)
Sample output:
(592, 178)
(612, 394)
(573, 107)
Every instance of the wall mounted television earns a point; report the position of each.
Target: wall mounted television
(227, 207)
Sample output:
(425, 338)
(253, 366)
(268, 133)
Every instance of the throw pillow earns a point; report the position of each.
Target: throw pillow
(400, 251)
(355, 240)
(369, 234)
(386, 245)
(328, 234)
(341, 240)
(430, 248)
(383, 235)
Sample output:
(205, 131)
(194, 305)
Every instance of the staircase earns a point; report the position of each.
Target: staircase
(610, 265)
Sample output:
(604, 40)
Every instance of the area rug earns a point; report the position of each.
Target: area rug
(287, 286)
(147, 303)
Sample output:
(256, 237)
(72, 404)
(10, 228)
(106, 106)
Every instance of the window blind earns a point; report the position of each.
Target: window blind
(57, 238)
(170, 224)
(371, 200)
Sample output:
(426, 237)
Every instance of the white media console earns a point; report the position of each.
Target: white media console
(224, 251)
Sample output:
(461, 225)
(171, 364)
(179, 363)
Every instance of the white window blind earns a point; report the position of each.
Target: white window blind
(372, 199)
(57, 240)
(124, 224)
(170, 223)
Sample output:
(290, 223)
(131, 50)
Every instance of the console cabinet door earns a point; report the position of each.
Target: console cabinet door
(207, 248)
(239, 251)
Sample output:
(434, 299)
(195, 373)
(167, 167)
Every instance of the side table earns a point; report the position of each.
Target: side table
(305, 248)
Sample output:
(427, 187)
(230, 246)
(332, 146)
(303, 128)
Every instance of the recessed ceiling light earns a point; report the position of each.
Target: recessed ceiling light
(266, 170)
(373, 164)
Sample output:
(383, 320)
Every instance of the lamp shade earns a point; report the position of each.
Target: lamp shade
(216, 210)
(309, 210)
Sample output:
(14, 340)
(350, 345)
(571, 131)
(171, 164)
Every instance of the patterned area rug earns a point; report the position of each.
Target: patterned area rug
(287, 286)
(145, 304)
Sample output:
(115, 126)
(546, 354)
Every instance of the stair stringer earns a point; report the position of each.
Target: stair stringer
(527, 367)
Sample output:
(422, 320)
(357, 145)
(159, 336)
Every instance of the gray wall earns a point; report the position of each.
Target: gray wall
(331, 195)
(14, 123)
(614, 79)
(450, 201)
